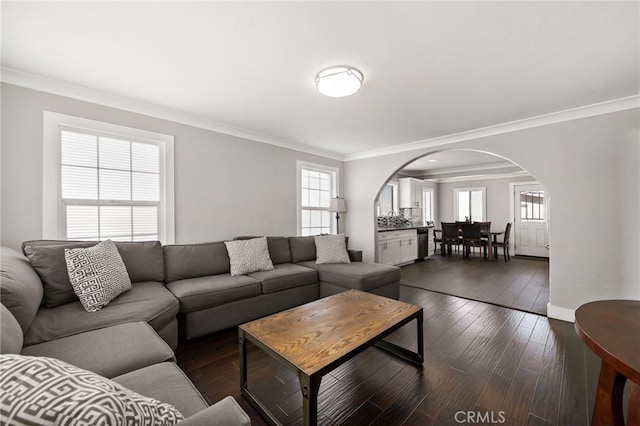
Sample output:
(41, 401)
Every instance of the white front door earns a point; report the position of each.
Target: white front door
(530, 225)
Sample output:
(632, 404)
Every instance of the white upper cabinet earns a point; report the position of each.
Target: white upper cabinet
(410, 193)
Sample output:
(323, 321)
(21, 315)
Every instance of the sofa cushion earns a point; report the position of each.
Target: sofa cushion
(204, 292)
(146, 301)
(195, 260)
(248, 256)
(21, 289)
(10, 332)
(278, 248)
(49, 263)
(284, 276)
(143, 260)
(58, 393)
(356, 275)
(165, 382)
(97, 274)
(331, 249)
(109, 351)
(302, 249)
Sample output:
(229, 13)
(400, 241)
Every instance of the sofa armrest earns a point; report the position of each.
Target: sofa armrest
(355, 255)
(225, 412)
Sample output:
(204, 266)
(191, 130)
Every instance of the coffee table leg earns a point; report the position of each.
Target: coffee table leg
(420, 335)
(243, 360)
(310, 387)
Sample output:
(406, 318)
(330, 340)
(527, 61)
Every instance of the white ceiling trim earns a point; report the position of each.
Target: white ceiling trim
(477, 177)
(32, 81)
(466, 169)
(607, 107)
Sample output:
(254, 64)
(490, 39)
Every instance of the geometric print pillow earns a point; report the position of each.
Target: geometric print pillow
(47, 391)
(246, 256)
(331, 249)
(97, 274)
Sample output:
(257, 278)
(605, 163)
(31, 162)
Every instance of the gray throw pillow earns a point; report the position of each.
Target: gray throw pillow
(97, 274)
(331, 249)
(246, 256)
(47, 391)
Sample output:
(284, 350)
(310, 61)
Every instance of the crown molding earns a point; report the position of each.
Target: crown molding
(56, 87)
(516, 174)
(601, 108)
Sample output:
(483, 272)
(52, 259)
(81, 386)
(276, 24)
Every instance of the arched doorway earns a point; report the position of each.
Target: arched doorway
(459, 185)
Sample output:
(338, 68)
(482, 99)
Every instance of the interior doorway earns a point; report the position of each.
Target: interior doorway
(508, 193)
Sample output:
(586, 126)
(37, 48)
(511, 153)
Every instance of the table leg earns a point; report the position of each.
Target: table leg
(309, 387)
(608, 405)
(420, 336)
(243, 359)
(633, 409)
(490, 247)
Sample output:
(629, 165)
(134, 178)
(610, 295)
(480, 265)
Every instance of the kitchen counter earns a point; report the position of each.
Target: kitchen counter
(401, 228)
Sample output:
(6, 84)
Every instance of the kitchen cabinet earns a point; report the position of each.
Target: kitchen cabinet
(397, 247)
(410, 193)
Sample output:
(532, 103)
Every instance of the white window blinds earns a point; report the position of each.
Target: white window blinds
(110, 187)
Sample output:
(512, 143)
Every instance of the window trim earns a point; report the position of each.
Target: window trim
(335, 184)
(52, 204)
(483, 189)
(428, 190)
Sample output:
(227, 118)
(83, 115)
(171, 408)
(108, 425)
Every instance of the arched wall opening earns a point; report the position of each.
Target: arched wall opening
(439, 174)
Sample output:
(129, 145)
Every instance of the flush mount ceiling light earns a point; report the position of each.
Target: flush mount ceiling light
(339, 81)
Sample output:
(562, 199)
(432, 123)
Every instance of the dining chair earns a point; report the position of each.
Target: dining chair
(504, 244)
(472, 237)
(450, 236)
(437, 238)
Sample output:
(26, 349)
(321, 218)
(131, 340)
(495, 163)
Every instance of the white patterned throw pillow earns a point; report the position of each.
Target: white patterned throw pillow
(246, 256)
(47, 391)
(331, 249)
(97, 274)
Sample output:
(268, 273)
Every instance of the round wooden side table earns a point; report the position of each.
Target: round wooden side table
(611, 329)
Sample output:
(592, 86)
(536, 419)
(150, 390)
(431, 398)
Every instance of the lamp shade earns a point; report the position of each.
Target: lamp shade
(339, 81)
(337, 205)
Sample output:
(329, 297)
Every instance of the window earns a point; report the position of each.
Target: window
(470, 204)
(427, 203)
(388, 199)
(111, 182)
(317, 185)
(532, 206)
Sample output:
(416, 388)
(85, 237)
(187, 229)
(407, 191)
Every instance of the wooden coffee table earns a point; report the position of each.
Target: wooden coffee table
(313, 339)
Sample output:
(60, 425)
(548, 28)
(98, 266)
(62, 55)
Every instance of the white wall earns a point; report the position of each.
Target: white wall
(590, 167)
(224, 186)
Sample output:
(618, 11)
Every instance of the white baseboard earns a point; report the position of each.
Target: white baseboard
(564, 314)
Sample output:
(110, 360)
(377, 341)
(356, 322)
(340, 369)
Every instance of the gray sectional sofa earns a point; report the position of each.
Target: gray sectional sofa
(181, 290)
(127, 350)
(212, 300)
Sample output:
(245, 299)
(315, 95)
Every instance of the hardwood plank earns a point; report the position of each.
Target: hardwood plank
(470, 363)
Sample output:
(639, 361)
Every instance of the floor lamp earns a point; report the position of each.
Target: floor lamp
(337, 205)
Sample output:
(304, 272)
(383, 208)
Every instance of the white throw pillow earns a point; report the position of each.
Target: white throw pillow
(97, 274)
(47, 391)
(331, 249)
(246, 256)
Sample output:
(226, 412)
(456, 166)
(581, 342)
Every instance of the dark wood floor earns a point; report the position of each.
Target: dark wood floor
(479, 358)
(522, 283)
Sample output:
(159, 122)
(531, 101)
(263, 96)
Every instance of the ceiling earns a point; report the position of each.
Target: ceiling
(430, 69)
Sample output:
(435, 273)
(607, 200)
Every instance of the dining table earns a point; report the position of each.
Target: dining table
(491, 238)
